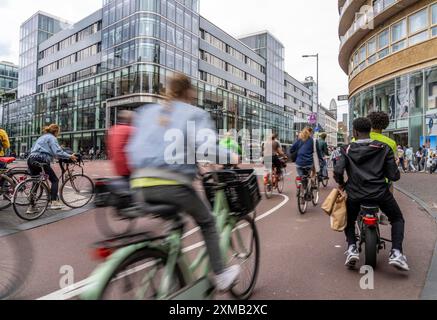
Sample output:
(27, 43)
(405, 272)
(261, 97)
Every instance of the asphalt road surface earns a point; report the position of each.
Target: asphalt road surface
(301, 257)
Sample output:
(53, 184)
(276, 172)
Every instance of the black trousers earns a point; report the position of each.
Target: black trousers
(36, 170)
(389, 206)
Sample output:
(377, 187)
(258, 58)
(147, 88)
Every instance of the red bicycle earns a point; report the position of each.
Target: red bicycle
(275, 180)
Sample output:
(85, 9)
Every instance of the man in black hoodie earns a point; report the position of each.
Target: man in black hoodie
(368, 164)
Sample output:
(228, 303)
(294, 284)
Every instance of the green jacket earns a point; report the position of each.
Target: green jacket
(231, 145)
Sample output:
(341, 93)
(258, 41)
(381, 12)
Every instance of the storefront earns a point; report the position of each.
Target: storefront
(411, 102)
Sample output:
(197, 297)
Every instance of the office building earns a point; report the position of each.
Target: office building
(121, 56)
(8, 77)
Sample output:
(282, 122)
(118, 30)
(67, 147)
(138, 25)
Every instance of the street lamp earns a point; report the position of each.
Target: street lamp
(317, 80)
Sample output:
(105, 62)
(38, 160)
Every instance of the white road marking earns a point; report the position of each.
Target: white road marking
(81, 286)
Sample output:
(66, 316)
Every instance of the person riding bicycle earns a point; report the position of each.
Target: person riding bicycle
(163, 153)
(229, 143)
(309, 156)
(323, 146)
(44, 151)
(117, 140)
(272, 153)
(368, 163)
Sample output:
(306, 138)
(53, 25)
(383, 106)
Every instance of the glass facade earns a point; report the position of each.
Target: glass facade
(33, 32)
(80, 109)
(273, 51)
(410, 100)
(154, 31)
(8, 77)
(144, 42)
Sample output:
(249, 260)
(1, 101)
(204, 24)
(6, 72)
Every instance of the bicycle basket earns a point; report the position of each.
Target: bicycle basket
(242, 190)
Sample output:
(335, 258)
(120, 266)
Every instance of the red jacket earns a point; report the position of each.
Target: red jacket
(118, 138)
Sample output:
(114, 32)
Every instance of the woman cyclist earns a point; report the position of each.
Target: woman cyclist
(307, 149)
(44, 151)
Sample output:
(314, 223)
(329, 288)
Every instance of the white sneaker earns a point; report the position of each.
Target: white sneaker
(353, 256)
(32, 210)
(56, 205)
(398, 260)
(228, 278)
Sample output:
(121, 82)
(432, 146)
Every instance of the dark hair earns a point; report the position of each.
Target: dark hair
(379, 120)
(362, 125)
(323, 136)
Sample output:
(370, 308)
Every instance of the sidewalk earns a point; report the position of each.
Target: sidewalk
(421, 187)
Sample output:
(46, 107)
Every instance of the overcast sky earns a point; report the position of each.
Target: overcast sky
(304, 27)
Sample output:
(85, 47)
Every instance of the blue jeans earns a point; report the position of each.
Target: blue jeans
(324, 168)
(303, 171)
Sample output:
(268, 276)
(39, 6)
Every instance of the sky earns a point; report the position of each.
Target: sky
(304, 27)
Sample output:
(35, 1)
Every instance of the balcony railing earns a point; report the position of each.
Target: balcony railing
(379, 6)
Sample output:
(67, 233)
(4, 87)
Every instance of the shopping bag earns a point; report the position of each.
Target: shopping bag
(339, 214)
(328, 205)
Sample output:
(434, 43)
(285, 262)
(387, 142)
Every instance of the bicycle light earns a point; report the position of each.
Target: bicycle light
(298, 182)
(370, 221)
(101, 253)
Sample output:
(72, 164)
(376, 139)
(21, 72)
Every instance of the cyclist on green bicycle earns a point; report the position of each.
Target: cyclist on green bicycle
(44, 151)
(164, 164)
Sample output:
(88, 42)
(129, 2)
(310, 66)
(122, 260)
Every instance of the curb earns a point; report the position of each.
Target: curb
(429, 291)
(45, 221)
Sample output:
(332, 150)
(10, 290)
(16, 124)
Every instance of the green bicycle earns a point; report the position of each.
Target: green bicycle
(144, 266)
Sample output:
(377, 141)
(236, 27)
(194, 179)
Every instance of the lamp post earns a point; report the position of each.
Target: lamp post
(317, 80)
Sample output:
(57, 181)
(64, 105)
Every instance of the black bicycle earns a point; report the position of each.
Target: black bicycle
(9, 179)
(369, 235)
(307, 191)
(32, 196)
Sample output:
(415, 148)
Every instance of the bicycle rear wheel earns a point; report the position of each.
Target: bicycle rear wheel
(110, 224)
(315, 196)
(15, 262)
(31, 199)
(371, 246)
(7, 186)
(77, 191)
(245, 251)
(18, 175)
(268, 190)
(139, 277)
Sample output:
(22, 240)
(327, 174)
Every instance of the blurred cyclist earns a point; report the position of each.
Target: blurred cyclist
(117, 140)
(44, 151)
(161, 132)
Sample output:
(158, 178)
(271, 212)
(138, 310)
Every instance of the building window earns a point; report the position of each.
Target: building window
(399, 31)
(418, 38)
(371, 46)
(418, 21)
(383, 39)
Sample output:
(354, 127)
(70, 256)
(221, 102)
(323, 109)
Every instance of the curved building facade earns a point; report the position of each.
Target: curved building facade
(389, 51)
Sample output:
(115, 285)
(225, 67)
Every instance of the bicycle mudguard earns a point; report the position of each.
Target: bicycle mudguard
(102, 274)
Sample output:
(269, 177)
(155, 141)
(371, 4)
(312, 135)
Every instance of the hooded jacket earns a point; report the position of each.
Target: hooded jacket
(368, 163)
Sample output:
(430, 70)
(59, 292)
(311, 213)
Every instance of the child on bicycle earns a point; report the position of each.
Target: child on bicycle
(368, 163)
(164, 168)
(44, 151)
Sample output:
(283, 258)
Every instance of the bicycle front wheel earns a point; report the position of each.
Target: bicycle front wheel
(281, 183)
(245, 251)
(140, 276)
(77, 191)
(31, 199)
(301, 201)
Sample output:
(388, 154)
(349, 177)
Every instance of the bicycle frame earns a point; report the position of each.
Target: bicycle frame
(172, 246)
